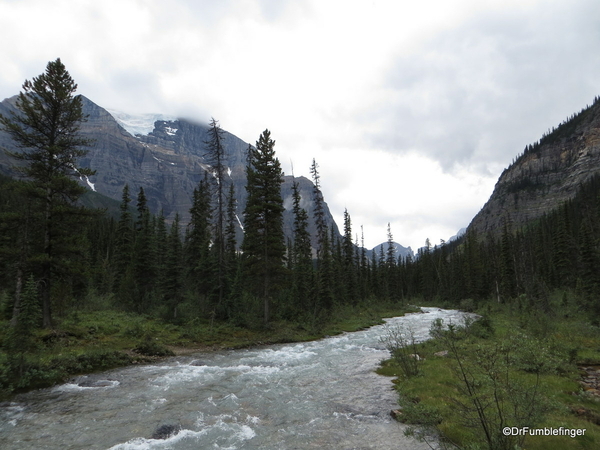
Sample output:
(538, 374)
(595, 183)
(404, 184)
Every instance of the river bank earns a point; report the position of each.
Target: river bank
(89, 341)
(513, 368)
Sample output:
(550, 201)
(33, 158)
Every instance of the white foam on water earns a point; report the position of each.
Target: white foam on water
(252, 419)
(151, 444)
(74, 387)
(286, 356)
(14, 413)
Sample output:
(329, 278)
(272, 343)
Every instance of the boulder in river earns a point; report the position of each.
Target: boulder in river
(165, 431)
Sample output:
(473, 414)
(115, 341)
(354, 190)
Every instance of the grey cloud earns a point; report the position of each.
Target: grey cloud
(476, 95)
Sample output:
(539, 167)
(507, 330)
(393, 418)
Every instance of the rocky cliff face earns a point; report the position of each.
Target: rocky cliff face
(546, 174)
(168, 163)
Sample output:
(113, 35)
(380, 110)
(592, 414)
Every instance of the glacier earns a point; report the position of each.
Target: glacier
(140, 124)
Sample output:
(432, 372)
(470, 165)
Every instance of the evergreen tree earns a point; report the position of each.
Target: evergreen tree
(199, 261)
(264, 245)
(143, 255)
(349, 261)
(18, 237)
(507, 254)
(230, 229)
(363, 264)
(216, 158)
(301, 256)
(161, 246)
(173, 265)
(21, 336)
(325, 292)
(124, 244)
(590, 262)
(46, 128)
(390, 266)
(319, 211)
(231, 258)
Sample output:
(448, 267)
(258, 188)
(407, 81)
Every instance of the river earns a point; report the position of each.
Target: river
(314, 395)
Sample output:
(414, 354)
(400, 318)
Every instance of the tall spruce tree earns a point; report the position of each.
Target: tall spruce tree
(143, 255)
(216, 158)
(301, 259)
(172, 288)
(264, 246)
(198, 258)
(349, 272)
(47, 130)
(325, 292)
(20, 339)
(319, 210)
(124, 244)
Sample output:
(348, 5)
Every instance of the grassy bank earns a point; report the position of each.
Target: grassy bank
(518, 366)
(88, 341)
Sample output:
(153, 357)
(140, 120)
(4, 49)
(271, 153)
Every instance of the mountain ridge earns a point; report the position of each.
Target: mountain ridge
(548, 173)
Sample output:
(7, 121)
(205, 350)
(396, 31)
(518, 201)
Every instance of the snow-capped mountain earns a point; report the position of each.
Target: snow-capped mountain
(164, 155)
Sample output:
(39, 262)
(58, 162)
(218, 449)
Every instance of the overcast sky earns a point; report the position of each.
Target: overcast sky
(412, 109)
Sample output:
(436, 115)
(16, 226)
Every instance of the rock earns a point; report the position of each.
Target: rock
(96, 383)
(395, 413)
(166, 431)
(442, 354)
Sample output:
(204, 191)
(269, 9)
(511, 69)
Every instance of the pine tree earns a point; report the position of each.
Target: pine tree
(230, 229)
(199, 260)
(349, 261)
(124, 244)
(319, 211)
(216, 158)
(231, 255)
(21, 336)
(363, 264)
(173, 278)
(301, 260)
(18, 237)
(46, 128)
(325, 292)
(390, 265)
(161, 246)
(264, 245)
(143, 257)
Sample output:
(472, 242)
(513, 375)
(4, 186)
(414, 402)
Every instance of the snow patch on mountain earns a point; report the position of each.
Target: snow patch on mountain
(90, 184)
(140, 124)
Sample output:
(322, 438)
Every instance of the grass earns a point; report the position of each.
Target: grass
(553, 345)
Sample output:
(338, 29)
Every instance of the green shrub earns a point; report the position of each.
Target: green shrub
(403, 347)
(150, 347)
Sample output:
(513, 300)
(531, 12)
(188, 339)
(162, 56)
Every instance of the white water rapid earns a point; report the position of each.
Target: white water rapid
(315, 395)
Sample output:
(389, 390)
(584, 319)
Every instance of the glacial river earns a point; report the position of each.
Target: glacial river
(315, 395)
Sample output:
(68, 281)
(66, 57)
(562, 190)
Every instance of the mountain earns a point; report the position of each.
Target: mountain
(399, 250)
(546, 174)
(165, 156)
(460, 233)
